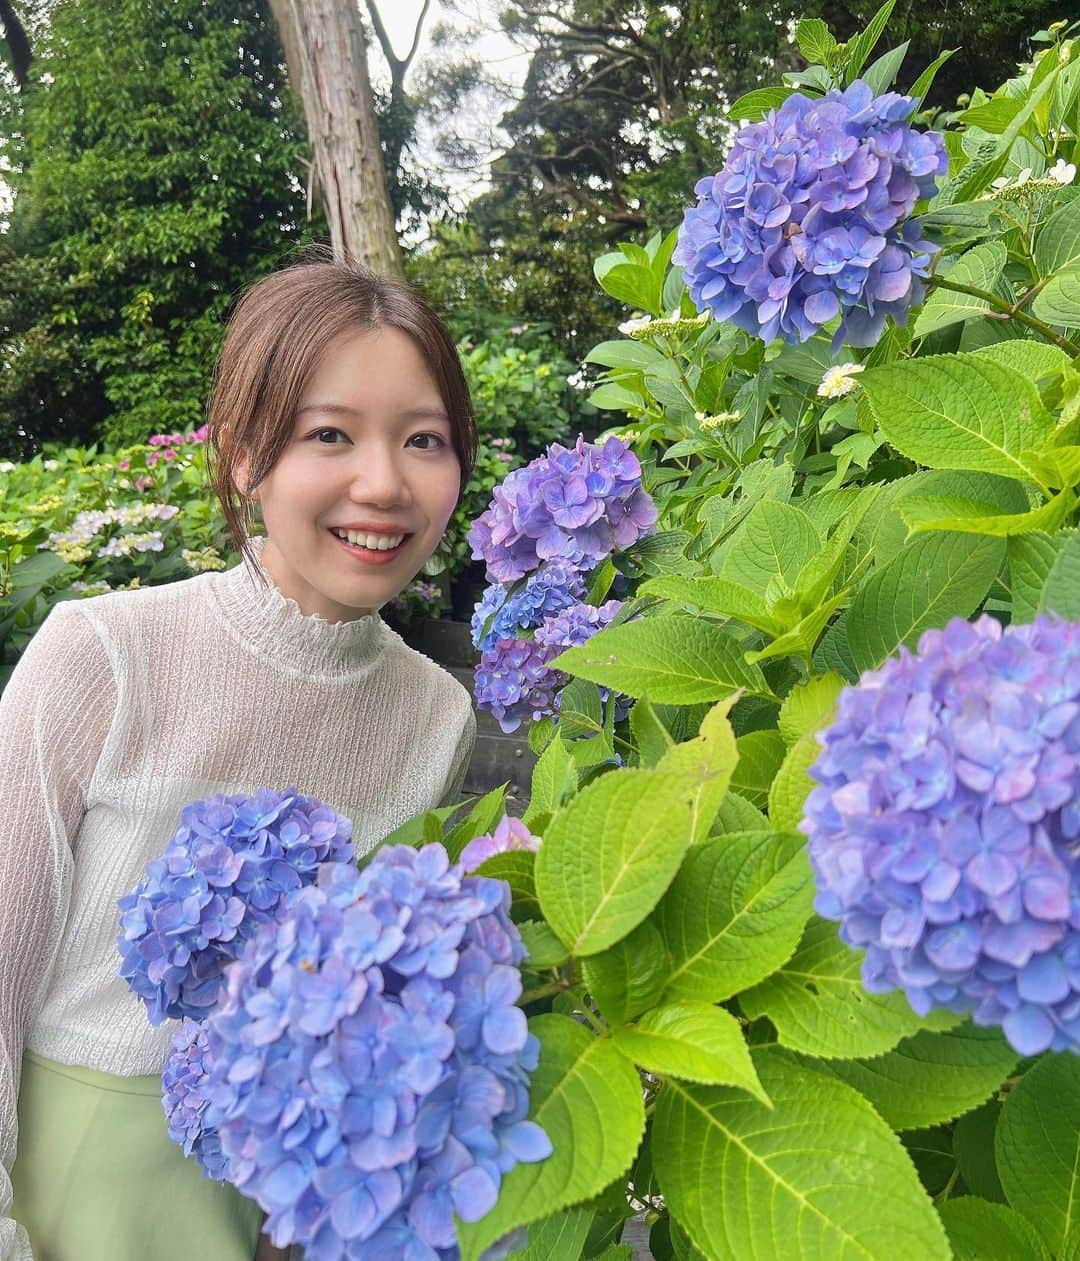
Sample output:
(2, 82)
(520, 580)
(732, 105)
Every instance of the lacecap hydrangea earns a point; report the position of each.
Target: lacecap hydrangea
(810, 218)
(227, 869)
(945, 831)
(368, 1067)
(575, 505)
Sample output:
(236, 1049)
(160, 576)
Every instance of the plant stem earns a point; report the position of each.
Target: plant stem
(1012, 310)
(543, 991)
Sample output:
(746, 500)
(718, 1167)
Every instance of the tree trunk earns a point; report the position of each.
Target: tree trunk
(14, 35)
(326, 57)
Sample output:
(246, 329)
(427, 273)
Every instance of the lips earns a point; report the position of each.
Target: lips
(372, 556)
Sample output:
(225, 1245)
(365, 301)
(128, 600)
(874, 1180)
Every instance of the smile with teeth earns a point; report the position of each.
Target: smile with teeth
(372, 542)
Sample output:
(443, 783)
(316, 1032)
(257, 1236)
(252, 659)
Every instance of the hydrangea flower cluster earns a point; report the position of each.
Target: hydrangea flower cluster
(945, 834)
(227, 869)
(510, 834)
(552, 588)
(369, 1069)
(575, 505)
(810, 218)
(92, 522)
(514, 679)
(184, 1099)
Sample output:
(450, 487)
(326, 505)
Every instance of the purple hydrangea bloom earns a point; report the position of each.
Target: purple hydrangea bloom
(227, 869)
(369, 1071)
(945, 834)
(810, 218)
(510, 834)
(551, 588)
(575, 505)
(184, 1100)
(514, 680)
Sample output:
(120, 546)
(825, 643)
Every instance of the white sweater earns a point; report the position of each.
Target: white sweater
(127, 706)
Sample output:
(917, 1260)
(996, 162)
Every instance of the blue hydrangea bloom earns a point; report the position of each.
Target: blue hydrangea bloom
(514, 681)
(810, 218)
(226, 870)
(945, 834)
(575, 505)
(369, 1067)
(551, 588)
(184, 1100)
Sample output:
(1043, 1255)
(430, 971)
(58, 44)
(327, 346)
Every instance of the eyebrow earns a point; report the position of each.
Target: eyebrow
(341, 409)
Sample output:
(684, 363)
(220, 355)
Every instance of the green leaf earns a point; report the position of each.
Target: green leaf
(816, 42)
(819, 1176)
(973, 1145)
(693, 1041)
(1061, 593)
(481, 820)
(800, 640)
(673, 660)
(615, 398)
(36, 571)
(588, 1100)
(959, 412)
(651, 738)
(639, 356)
(1057, 244)
(981, 267)
(774, 540)
(554, 778)
(981, 1231)
(1035, 360)
(935, 578)
(863, 44)
(965, 516)
(718, 595)
(518, 868)
(809, 706)
(543, 948)
(632, 283)
(925, 81)
(1059, 302)
(881, 74)
(760, 756)
(736, 814)
(1057, 466)
(1038, 1147)
(708, 762)
(1031, 557)
(753, 106)
(931, 1077)
(608, 856)
(562, 1235)
(421, 828)
(792, 784)
(818, 1005)
(629, 977)
(734, 913)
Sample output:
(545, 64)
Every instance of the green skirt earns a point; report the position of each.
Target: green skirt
(97, 1177)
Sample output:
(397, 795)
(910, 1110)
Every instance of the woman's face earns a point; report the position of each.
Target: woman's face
(362, 492)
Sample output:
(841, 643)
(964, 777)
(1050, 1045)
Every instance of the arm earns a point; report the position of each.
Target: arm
(54, 716)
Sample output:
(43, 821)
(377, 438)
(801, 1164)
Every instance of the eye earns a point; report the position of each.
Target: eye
(428, 441)
(327, 437)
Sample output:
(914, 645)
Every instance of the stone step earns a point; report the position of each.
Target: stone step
(498, 758)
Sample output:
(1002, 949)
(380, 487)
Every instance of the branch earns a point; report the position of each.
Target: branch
(18, 43)
(1010, 310)
(398, 65)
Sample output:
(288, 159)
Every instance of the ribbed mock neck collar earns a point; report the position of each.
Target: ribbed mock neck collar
(271, 625)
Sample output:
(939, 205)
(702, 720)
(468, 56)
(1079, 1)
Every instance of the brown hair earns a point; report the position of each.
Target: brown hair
(277, 333)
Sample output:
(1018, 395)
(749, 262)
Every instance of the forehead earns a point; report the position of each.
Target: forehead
(370, 368)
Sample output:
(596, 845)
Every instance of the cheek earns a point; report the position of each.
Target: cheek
(443, 496)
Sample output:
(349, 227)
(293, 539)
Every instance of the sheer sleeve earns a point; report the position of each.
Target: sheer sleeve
(55, 714)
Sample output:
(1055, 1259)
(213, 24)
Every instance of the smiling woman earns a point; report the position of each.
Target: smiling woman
(341, 414)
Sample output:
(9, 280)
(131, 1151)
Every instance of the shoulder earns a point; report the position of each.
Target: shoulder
(124, 610)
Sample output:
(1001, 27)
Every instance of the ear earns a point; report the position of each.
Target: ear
(242, 480)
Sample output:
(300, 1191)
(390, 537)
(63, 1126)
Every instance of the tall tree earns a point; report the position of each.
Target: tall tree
(159, 171)
(326, 51)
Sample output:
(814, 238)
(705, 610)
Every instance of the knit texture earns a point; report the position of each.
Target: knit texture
(124, 708)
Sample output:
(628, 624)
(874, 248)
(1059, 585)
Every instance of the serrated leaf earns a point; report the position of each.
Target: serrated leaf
(959, 412)
(753, 106)
(809, 706)
(708, 762)
(1059, 302)
(733, 913)
(693, 1041)
(935, 578)
(718, 595)
(1057, 466)
(881, 74)
(554, 778)
(973, 1146)
(587, 1098)
(925, 81)
(863, 44)
(608, 856)
(818, 1005)
(1033, 359)
(774, 540)
(1057, 243)
(651, 738)
(542, 948)
(562, 1235)
(981, 1231)
(517, 868)
(963, 516)
(481, 820)
(625, 354)
(736, 814)
(1061, 591)
(931, 1077)
(980, 267)
(421, 828)
(819, 1175)
(800, 640)
(792, 784)
(816, 42)
(629, 977)
(673, 660)
(632, 283)
(1038, 1147)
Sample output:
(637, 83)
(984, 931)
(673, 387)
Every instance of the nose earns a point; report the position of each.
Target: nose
(378, 477)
